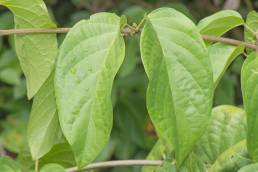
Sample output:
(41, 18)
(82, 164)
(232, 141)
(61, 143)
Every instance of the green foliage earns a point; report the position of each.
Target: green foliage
(8, 165)
(43, 126)
(89, 59)
(52, 168)
(36, 53)
(221, 56)
(173, 66)
(220, 22)
(249, 81)
(227, 127)
(249, 168)
(232, 159)
(251, 27)
(92, 105)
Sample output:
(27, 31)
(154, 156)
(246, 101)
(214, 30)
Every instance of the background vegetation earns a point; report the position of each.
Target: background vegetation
(133, 135)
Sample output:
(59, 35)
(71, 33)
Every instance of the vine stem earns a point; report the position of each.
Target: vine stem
(37, 165)
(64, 30)
(118, 163)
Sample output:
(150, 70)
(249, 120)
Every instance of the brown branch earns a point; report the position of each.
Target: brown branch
(125, 32)
(33, 31)
(229, 41)
(118, 163)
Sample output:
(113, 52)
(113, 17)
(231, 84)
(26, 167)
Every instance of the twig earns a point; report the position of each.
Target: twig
(33, 31)
(64, 30)
(118, 163)
(37, 165)
(229, 41)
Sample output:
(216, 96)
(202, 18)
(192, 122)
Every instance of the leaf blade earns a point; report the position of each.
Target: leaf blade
(227, 128)
(43, 126)
(36, 52)
(101, 38)
(249, 88)
(166, 69)
(221, 56)
(220, 22)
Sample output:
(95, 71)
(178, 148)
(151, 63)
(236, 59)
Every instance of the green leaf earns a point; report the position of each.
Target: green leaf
(180, 91)
(10, 76)
(221, 56)
(249, 82)
(167, 167)
(8, 165)
(36, 52)
(60, 154)
(227, 127)
(220, 22)
(251, 27)
(52, 168)
(249, 168)
(88, 61)
(193, 163)
(43, 126)
(232, 159)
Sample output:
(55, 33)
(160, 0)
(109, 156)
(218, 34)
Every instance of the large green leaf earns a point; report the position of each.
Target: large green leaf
(36, 52)
(251, 27)
(220, 22)
(180, 91)
(232, 159)
(60, 154)
(43, 126)
(249, 83)
(52, 168)
(8, 165)
(221, 56)
(227, 127)
(88, 61)
(249, 168)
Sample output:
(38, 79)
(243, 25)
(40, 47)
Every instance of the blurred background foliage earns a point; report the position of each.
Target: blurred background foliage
(133, 135)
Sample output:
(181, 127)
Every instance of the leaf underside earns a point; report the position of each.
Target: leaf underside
(249, 82)
(36, 52)
(89, 59)
(180, 91)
